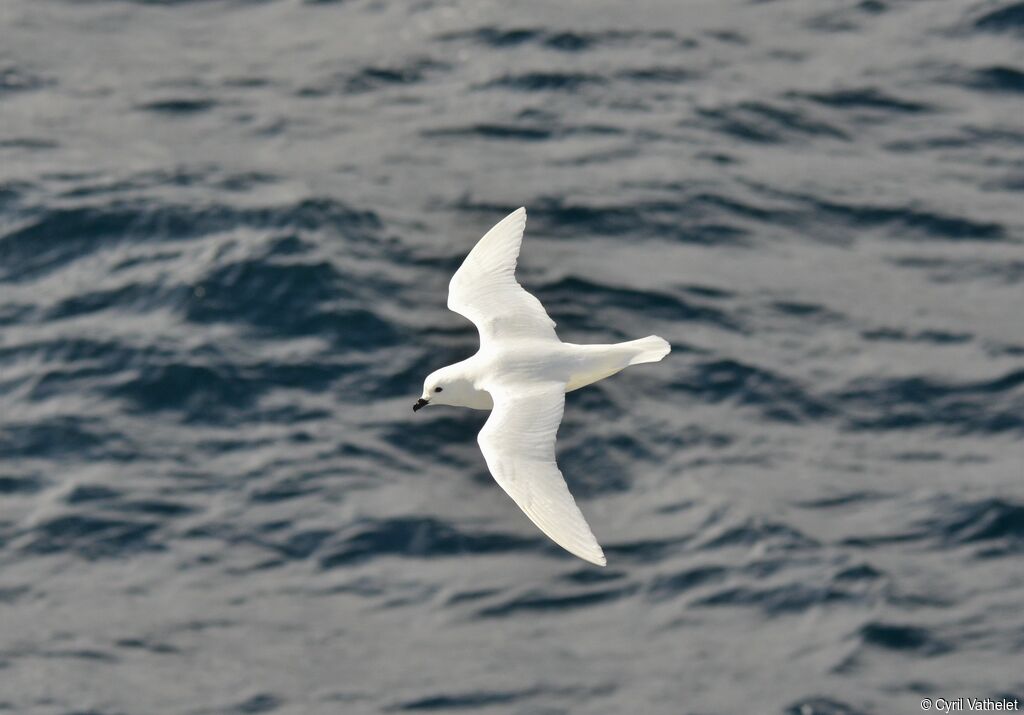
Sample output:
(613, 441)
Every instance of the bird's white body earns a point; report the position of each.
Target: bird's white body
(522, 372)
(573, 365)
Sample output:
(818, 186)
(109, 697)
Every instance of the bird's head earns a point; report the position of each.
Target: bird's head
(447, 386)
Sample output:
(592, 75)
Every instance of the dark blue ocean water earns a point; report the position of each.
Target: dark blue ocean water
(226, 232)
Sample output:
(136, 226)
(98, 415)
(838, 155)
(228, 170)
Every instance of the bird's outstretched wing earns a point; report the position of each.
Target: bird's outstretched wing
(484, 289)
(518, 442)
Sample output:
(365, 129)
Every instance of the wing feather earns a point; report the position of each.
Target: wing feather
(518, 443)
(485, 290)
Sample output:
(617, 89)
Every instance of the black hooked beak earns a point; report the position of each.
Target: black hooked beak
(420, 403)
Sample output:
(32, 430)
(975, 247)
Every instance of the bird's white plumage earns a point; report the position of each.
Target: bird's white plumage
(518, 442)
(522, 372)
(485, 290)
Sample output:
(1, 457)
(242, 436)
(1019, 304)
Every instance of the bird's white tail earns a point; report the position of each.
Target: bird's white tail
(596, 362)
(649, 349)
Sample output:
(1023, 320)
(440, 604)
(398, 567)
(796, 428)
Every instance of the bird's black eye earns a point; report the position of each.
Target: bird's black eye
(437, 389)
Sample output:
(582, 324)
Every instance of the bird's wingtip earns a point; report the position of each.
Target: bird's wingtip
(594, 556)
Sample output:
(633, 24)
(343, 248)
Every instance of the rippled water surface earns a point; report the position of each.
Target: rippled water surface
(226, 232)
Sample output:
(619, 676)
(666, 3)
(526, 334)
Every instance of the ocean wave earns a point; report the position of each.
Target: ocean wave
(226, 235)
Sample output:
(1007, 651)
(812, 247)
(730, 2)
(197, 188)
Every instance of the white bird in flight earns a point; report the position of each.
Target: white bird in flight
(521, 373)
